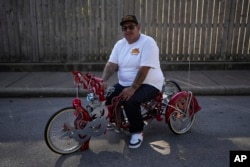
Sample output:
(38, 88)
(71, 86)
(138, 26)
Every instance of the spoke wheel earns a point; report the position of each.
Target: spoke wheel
(56, 129)
(170, 88)
(182, 119)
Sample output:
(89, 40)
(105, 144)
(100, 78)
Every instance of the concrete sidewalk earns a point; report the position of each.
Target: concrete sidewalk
(59, 84)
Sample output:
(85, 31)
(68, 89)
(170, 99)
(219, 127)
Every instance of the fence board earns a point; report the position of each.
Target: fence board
(40, 34)
(164, 32)
(170, 30)
(143, 16)
(9, 19)
(236, 29)
(80, 30)
(247, 35)
(200, 27)
(242, 27)
(187, 29)
(44, 31)
(214, 29)
(221, 30)
(175, 29)
(181, 29)
(15, 31)
(184, 26)
(86, 40)
(74, 23)
(137, 8)
(4, 36)
(202, 30)
(158, 33)
(231, 30)
(192, 30)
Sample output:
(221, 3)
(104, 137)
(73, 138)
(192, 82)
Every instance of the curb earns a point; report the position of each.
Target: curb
(71, 92)
(40, 92)
(221, 91)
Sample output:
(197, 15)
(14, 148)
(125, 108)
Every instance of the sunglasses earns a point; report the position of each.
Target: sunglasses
(130, 27)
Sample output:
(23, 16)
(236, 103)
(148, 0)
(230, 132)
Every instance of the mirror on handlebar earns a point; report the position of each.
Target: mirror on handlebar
(109, 90)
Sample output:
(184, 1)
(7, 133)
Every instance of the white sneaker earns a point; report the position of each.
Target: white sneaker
(136, 140)
(110, 126)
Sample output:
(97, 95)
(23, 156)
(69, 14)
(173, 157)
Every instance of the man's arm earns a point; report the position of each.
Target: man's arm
(109, 69)
(140, 77)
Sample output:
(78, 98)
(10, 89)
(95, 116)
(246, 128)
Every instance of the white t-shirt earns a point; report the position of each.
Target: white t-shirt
(129, 57)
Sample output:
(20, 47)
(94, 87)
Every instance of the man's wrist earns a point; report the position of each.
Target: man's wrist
(134, 86)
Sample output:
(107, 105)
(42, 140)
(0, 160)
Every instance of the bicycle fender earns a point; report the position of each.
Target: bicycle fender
(173, 101)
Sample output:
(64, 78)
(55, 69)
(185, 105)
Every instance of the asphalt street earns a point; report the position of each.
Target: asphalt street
(222, 125)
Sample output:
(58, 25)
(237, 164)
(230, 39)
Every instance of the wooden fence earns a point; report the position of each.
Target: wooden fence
(62, 31)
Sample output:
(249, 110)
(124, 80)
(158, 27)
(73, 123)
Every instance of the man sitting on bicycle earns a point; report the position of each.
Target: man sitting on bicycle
(136, 59)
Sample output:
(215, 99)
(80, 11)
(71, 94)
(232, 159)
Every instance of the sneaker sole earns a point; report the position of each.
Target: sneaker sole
(136, 145)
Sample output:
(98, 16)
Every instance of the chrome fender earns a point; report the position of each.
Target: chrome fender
(182, 98)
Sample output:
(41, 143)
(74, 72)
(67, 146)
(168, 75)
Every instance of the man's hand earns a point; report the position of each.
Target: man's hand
(127, 93)
(141, 75)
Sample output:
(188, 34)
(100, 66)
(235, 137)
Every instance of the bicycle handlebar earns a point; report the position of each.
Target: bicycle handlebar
(90, 82)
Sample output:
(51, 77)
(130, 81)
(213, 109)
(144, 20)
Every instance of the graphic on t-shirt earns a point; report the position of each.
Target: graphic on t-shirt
(135, 51)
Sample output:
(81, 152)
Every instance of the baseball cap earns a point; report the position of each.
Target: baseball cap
(128, 18)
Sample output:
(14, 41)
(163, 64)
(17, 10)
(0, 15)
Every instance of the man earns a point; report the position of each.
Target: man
(136, 59)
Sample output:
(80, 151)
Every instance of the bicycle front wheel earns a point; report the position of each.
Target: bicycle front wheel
(55, 132)
(180, 125)
(182, 118)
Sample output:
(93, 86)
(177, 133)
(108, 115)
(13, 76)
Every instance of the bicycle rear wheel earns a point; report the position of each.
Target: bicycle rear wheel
(170, 88)
(182, 118)
(55, 132)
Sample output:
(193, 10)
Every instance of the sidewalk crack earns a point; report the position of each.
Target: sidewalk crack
(17, 80)
(211, 78)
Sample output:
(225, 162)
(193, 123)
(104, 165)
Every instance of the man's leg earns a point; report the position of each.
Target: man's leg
(132, 106)
(118, 90)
